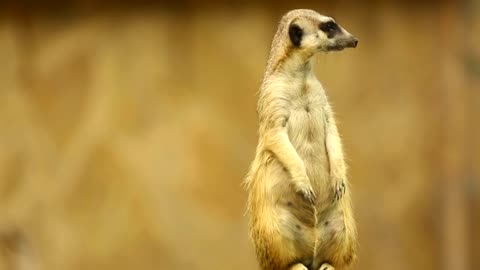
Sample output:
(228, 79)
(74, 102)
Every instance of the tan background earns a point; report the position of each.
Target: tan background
(126, 130)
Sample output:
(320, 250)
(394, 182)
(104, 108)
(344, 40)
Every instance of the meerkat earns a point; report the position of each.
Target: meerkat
(299, 200)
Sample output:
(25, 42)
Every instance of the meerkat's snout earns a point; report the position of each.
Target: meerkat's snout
(338, 37)
(342, 41)
(353, 42)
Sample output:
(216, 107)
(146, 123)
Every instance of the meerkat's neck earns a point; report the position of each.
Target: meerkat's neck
(296, 66)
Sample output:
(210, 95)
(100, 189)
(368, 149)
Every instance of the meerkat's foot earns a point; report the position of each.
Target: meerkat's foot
(298, 266)
(339, 189)
(326, 266)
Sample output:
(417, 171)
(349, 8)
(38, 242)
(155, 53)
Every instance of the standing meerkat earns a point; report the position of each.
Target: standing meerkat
(299, 201)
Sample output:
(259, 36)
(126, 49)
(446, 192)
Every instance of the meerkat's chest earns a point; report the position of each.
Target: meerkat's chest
(306, 119)
(306, 131)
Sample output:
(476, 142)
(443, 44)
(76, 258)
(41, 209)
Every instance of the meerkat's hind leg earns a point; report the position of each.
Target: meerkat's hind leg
(298, 266)
(326, 266)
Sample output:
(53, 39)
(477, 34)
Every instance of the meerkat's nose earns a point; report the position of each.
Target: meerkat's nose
(355, 42)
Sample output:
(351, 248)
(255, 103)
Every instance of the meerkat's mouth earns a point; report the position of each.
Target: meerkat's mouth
(342, 44)
(336, 48)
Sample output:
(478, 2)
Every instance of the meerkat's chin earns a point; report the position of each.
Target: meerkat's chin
(335, 48)
(342, 44)
(339, 47)
(331, 48)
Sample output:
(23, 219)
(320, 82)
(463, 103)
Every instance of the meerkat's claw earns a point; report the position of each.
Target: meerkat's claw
(326, 266)
(307, 191)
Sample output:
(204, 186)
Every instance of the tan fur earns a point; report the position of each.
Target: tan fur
(299, 202)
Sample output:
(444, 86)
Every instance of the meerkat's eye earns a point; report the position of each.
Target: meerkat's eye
(330, 28)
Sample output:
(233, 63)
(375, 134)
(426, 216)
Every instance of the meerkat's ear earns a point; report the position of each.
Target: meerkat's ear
(296, 34)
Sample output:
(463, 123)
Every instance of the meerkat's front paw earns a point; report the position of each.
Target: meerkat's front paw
(326, 266)
(339, 189)
(303, 186)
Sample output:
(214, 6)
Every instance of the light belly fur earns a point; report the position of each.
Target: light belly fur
(306, 130)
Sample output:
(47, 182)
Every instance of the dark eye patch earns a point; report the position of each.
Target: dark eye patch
(330, 28)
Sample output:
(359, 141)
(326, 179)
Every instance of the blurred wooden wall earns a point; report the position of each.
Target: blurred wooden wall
(126, 130)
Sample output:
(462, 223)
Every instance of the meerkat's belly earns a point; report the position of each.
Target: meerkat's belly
(306, 130)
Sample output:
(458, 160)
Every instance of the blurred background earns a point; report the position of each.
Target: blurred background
(126, 129)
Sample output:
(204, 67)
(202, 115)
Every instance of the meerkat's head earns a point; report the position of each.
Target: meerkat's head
(311, 32)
